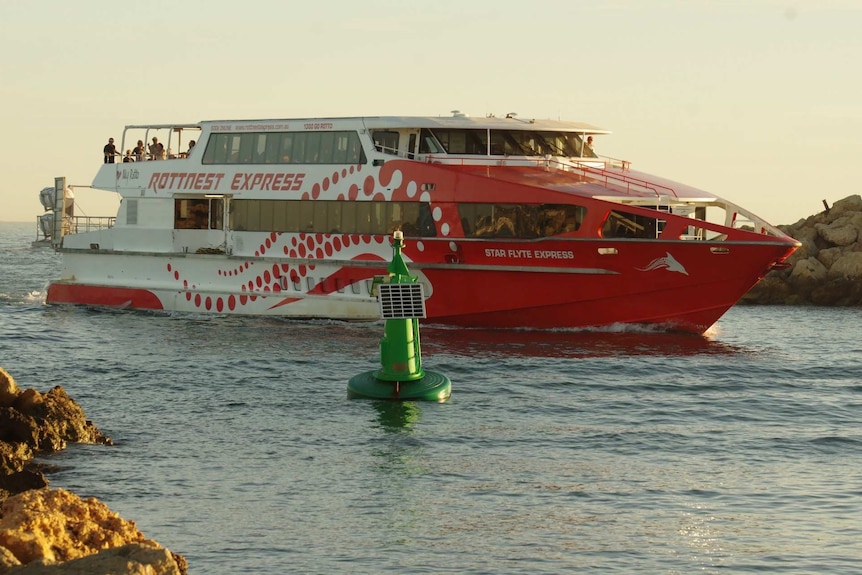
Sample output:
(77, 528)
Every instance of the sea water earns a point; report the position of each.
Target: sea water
(605, 451)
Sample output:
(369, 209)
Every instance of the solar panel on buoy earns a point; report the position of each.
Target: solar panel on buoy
(401, 301)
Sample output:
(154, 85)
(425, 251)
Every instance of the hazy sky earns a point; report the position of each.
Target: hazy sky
(759, 101)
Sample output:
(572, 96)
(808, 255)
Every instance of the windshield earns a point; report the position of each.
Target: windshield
(506, 143)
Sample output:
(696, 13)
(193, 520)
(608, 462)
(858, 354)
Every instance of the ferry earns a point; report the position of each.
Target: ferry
(507, 222)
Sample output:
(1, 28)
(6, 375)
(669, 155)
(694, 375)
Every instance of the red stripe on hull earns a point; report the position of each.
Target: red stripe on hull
(102, 296)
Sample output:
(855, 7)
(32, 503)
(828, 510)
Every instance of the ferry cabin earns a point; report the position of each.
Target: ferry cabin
(295, 177)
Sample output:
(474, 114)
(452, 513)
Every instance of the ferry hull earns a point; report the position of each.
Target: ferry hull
(677, 286)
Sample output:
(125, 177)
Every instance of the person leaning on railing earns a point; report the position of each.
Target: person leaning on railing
(157, 150)
(139, 152)
(110, 150)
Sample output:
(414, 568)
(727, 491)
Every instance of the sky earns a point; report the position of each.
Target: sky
(758, 101)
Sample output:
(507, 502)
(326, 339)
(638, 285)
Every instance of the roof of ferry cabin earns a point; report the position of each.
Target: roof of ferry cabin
(460, 122)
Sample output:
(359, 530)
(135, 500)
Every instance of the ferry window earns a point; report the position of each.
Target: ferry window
(238, 215)
(482, 216)
(279, 216)
(298, 148)
(306, 216)
(386, 142)
(286, 148)
(333, 218)
(320, 218)
(428, 144)
(293, 221)
(253, 215)
(216, 213)
(209, 153)
(526, 143)
(563, 144)
(393, 217)
(267, 207)
(217, 149)
(191, 214)
(626, 225)
(260, 147)
(426, 221)
(410, 218)
(246, 148)
(328, 216)
(233, 141)
(520, 220)
(327, 145)
(348, 217)
(339, 154)
(501, 145)
(355, 153)
(378, 218)
(312, 148)
(273, 142)
(463, 141)
(363, 217)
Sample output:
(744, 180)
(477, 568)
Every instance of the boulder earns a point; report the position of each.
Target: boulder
(46, 526)
(133, 559)
(827, 268)
(848, 266)
(46, 530)
(838, 233)
(32, 422)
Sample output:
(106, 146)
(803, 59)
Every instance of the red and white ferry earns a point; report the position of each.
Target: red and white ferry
(509, 223)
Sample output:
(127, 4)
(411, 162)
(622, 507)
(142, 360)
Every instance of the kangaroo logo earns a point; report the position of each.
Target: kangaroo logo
(668, 262)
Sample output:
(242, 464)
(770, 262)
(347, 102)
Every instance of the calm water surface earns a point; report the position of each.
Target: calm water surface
(592, 451)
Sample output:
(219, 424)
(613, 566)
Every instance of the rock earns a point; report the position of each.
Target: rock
(55, 531)
(132, 559)
(808, 270)
(848, 266)
(841, 207)
(838, 233)
(8, 388)
(45, 527)
(32, 422)
(20, 481)
(13, 456)
(828, 256)
(827, 268)
(56, 525)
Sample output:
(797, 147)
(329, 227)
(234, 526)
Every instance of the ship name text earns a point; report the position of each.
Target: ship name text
(212, 181)
(530, 254)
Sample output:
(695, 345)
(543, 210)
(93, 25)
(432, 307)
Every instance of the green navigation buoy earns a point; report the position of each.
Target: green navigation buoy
(400, 376)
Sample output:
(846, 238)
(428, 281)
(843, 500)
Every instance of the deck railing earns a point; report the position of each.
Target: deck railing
(81, 224)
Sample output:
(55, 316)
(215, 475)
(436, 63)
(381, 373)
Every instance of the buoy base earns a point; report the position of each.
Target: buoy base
(433, 387)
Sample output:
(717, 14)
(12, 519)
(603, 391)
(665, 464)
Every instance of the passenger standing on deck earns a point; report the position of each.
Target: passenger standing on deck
(110, 151)
(139, 151)
(157, 150)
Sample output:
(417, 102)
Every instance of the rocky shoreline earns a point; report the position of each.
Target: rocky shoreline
(827, 268)
(54, 531)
